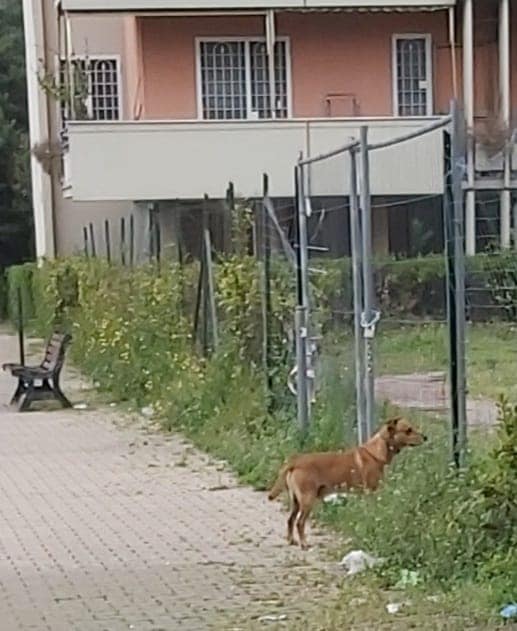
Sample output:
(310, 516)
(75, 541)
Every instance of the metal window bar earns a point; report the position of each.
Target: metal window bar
(223, 80)
(103, 90)
(235, 80)
(411, 63)
(103, 75)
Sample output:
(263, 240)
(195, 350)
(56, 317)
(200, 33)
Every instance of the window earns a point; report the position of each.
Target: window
(96, 88)
(412, 75)
(234, 80)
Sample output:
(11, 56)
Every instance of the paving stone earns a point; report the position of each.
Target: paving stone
(92, 537)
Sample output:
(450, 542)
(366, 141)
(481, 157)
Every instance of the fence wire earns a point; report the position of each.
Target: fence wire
(405, 337)
(491, 303)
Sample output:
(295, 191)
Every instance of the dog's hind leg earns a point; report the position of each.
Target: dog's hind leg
(305, 510)
(295, 508)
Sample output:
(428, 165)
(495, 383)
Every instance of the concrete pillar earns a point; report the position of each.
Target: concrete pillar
(39, 133)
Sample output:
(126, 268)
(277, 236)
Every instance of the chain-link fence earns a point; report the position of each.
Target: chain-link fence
(383, 309)
(491, 304)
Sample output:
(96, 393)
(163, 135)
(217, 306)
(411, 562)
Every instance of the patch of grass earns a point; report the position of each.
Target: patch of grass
(491, 355)
(411, 348)
(360, 603)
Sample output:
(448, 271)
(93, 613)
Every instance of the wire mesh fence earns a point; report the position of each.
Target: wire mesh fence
(491, 305)
(374, 280)
(390, 325)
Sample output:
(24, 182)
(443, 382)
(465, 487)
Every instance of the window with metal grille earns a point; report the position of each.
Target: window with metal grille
(412, 75)
(95, 84)
(234, 80)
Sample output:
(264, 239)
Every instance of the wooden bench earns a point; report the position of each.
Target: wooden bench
(41, 383)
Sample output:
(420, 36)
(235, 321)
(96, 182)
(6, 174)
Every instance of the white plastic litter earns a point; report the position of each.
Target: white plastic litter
(357, 561)
(148, 411)
(81, 406)
(335, 498)
(393, 607)
(273, 617)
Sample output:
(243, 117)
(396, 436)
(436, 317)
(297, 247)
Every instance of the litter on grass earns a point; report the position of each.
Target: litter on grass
(357, 561)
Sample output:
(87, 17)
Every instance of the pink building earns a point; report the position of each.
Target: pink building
(205, 92)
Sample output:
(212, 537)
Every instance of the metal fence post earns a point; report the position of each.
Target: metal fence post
(301, 313)
(266, 299)
(93, 249)
(368, 315)
(157, 237)
(122, 240)
(448, 224)
(457, 156)
(85, 241)
(107, 239)
(357, 288)
(131, 240)
(21, 344)
(210, 288)
(150, 232)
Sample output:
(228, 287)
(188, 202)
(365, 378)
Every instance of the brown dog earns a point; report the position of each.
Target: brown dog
(309, 477)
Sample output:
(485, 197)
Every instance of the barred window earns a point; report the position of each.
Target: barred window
(96, 88)
(235, 82)
(412, 75)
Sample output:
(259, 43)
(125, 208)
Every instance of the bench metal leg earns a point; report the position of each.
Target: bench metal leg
(20, 389)
(28, 398)
(45, 392)
(56, 389)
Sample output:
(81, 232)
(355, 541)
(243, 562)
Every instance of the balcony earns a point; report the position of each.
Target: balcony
(194, 5)
(155, 160)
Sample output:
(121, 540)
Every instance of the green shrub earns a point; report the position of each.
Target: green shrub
(19, 278)
(3, 295)
(452, 528)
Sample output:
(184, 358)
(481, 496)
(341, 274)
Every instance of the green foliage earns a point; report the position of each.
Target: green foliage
(451, 527)
(19, 278)
(3, 295)
(416, 287)
(15, 207)
(498, 272)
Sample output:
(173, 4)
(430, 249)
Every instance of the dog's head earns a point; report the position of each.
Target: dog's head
(399, 433)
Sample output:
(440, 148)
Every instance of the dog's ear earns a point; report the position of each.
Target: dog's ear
(391, 424)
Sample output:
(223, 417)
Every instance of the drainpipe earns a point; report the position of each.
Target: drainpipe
(504, 97)
(39, 133)
(468, 103)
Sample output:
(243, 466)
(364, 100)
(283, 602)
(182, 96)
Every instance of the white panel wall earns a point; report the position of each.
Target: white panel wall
(154, 160)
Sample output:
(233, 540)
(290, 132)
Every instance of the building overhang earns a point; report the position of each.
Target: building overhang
(189, 6)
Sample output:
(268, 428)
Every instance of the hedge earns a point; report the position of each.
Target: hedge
(3, 295)
(406, 288)
(19, 279)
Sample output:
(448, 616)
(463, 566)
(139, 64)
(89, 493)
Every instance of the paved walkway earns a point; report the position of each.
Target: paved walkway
(104, 526)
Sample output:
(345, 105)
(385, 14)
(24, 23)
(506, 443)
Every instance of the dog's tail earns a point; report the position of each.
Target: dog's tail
(280, 483)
